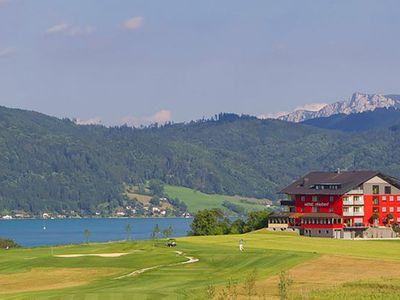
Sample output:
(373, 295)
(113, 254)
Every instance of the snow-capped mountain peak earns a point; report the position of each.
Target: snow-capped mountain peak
(358, 102)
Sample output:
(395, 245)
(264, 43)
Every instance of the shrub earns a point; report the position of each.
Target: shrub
(7, 244)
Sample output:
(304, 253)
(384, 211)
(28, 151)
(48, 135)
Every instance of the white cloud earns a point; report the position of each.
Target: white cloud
(57, 28)
(64, 28)
(133, 23)
(160, 117)
(6, 51)
(312, 107)
(92, 121)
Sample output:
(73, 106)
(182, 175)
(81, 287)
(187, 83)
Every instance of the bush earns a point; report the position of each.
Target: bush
(8, 244)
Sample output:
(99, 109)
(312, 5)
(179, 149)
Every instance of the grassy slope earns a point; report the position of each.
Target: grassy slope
(196, 200)
(219, 257)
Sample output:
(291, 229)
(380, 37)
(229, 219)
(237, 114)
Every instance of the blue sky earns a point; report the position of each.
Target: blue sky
(137, 62)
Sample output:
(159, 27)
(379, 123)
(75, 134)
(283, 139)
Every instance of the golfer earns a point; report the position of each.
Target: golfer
(241, 245)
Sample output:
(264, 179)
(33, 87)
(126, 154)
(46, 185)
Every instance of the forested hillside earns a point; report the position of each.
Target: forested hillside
(379, 118)
(56, 165)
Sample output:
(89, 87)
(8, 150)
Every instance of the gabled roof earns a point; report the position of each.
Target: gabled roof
(345, 181)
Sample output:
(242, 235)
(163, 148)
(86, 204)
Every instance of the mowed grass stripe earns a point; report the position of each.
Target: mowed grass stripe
(220, 261)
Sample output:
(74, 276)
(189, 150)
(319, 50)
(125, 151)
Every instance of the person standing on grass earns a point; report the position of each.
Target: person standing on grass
(241, 245)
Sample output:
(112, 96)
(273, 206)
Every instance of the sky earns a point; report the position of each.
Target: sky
(137, 62)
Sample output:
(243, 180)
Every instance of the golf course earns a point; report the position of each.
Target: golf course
(206, 267)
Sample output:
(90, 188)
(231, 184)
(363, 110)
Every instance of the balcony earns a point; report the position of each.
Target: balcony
(348, 213)
(356, 192)
(360, 201)
(348, 201)
(358, 213)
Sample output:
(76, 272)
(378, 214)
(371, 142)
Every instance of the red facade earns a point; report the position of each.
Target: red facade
(367, 205)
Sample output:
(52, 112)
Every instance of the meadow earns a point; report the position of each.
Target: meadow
(205, 268)
(196, 200)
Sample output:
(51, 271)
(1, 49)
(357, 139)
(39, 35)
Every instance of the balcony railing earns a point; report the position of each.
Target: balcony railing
(359, 202)
(348, 213)
(348, 202)
(358, 213)
(356, 192)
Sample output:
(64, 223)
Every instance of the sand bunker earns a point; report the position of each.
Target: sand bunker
(94, 254)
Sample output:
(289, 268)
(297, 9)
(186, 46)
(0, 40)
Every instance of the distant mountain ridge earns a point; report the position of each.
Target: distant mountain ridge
(53, 165)
(359, 102)
(368, 120)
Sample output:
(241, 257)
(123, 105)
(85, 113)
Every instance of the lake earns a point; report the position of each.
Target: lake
(31, 233)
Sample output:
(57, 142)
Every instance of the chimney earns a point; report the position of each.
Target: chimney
(338, 171)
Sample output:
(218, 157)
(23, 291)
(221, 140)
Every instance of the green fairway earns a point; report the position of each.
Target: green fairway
(39, 273)
(196, 200)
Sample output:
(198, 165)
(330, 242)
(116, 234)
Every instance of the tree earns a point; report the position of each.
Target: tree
(156, 187)
(155, 234)
(141, 189)
(256, 220)
(155, 200)
(87, 234)
(210, 222)
(128, 231)
(237, 227)
(374, 218)
(167, 232)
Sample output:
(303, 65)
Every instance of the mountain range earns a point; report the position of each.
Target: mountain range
(358, 102)
(49, 164)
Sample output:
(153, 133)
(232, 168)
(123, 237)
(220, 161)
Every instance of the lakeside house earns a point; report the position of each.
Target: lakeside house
(342, 204)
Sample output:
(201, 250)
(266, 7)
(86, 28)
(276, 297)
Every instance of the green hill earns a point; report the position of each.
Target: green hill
(48, 164)
(196, 200)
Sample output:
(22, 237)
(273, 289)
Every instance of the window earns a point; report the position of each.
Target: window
(375, 200)
(383, 209)
(303, 198)
(398, 219)
(383, 198)
(331, 198)
(314, 198)
(356, 209)
(331, 209)
(356, 198)
(315, 209)
(302, 209)
(375, 189)
(327, 231)
(398, 198)
(388, 190)
(391, 209)
(319, 231)
(398, 208)
(345, 199)
(391, 198)
(375, 209)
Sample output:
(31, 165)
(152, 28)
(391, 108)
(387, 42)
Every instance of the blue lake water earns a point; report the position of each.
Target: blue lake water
(30, 233)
